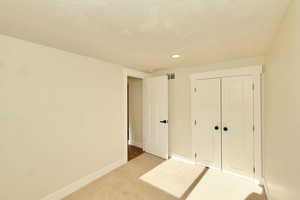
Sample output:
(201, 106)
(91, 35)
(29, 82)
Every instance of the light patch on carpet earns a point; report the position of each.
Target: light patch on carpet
(216, 185)
(173, 176)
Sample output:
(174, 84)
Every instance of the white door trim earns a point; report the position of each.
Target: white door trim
(135, 74)
(255, 71)
(243, 71)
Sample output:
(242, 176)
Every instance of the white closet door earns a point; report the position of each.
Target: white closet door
(237, 120)
(206, 124)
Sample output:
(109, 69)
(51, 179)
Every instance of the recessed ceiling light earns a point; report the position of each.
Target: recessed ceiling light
(176, 56)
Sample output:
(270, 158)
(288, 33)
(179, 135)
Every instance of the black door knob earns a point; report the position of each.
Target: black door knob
(164, 121)
(225, 128)
(216, 127)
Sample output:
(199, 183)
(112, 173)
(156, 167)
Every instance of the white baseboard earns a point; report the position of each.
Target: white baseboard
(60, 194)
(182, 158)
(190, 161)
(134, 143)
(267, 189)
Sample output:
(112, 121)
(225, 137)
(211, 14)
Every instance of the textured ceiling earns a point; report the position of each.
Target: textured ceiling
(143, 34)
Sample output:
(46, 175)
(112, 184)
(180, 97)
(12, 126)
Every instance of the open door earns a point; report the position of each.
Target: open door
(155, 129)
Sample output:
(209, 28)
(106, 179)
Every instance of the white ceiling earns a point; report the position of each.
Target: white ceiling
(144, 33)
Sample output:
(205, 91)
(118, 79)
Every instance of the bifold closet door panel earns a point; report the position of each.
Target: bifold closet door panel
(237, 125)
(206, 128)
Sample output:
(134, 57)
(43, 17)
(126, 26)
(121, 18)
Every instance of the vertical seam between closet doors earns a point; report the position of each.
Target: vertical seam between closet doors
(221, 121)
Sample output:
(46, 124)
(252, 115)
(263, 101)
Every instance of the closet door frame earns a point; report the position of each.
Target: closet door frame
(256, 72)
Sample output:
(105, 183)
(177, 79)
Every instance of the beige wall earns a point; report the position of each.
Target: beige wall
(61, 115)
(282, 110)
(135, 111)
(60, 119)
(180, 135)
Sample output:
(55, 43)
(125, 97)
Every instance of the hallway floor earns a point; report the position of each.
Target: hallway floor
(134, 152)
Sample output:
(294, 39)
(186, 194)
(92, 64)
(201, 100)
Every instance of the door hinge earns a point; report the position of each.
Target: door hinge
(253, 128)
(195, 122)
(254, 170)
(195, 155)
(195, 89)
(253, 86)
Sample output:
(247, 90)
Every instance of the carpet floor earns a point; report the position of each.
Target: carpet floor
(123, 183)
(173, 176)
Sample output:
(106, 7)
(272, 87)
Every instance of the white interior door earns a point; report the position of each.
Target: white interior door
(206, 114)
(237, 119)
(156, 116)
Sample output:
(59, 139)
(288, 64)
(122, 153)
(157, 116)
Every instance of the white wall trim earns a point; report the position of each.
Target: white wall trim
(255, 71)
(255, 181)
(190, 161)
(60, 194)
(258, 162)
(135, 73)
(128, 73)
(242, 71)
(267, 189)
(182, 159)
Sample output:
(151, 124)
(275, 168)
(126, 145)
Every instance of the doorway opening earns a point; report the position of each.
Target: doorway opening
(152, 120)
(134, 117)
